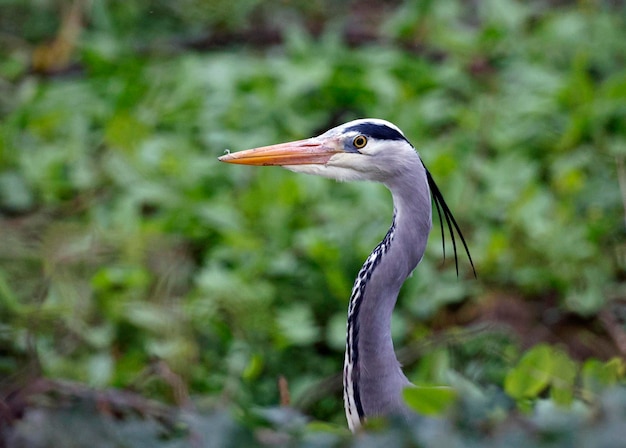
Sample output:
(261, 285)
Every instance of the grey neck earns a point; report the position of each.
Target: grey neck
(373, 379)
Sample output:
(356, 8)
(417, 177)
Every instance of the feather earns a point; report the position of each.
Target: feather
(441, 206)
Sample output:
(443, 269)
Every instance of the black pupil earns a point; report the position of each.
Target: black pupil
(360, 142)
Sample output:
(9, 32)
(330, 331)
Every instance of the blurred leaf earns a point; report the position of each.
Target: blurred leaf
(564, 374)
(297, 326)
(429, 400)
(531, 375)
(597, 375)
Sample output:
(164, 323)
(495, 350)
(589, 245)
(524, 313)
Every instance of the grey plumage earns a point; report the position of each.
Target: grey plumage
(380, 378)
(375, 150)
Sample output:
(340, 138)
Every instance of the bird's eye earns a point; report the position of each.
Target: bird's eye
(359, 141)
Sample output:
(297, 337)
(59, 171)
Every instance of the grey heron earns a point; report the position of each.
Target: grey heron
(372, 150)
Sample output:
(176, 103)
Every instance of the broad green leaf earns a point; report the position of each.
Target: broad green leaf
(532, 374)
(429, 400)
(596, 374)
(564, 372)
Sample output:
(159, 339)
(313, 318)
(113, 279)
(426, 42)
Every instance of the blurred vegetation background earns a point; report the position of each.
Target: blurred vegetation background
(151, 296)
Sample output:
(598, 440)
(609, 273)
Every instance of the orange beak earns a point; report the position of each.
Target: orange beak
(311, 151)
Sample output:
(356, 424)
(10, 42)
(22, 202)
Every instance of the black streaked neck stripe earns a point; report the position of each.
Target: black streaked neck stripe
(356, 298)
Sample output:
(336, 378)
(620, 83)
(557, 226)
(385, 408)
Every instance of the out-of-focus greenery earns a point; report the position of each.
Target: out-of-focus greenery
(125, 244)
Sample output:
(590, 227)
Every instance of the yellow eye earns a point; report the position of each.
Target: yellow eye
(359, 141)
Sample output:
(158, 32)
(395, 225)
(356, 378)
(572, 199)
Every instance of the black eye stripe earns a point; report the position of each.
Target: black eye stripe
(377, 131)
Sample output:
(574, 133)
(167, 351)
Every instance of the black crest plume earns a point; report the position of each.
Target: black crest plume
(442, 207)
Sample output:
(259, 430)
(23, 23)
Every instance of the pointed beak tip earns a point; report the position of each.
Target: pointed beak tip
(226, 157)
(298, 152)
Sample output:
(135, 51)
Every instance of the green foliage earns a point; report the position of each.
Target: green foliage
(433, 400)
(125, 245)
(539, 368)
(544, 367)
(597, 375)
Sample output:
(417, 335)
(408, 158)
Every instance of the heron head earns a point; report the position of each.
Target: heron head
(367, 149)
